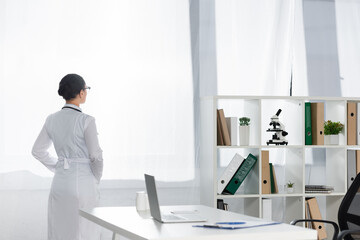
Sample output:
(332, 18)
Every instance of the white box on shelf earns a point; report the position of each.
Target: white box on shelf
(232, 125)
(267, 209)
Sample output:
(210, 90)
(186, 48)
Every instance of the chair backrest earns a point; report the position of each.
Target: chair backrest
(349, 210)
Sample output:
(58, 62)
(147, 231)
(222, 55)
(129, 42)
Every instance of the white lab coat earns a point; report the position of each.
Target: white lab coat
(78, 169)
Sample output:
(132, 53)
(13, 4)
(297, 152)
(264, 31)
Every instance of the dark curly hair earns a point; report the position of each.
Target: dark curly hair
(70, 86)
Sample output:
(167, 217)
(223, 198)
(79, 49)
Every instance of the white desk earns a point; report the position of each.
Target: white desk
(126, 221)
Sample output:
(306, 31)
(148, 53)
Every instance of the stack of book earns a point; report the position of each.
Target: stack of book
(227, 129)
(235, 173)
(318, 189)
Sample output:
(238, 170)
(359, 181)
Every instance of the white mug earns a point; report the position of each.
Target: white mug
(142, 201)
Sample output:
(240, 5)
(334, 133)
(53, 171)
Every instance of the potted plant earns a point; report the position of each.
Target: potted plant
(331, 131)
(290, 187)
(244, 131)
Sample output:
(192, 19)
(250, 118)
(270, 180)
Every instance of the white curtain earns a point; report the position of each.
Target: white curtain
(348, 39)
(326, 48)
(135, 55)
(254, 46)
(272, 47)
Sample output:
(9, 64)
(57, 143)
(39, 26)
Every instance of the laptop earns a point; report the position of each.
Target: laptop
(155, 207)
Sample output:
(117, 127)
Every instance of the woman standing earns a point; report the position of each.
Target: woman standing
(78, 166)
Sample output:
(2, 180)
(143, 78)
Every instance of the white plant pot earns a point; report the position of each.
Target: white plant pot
(244, 135)
(331, 139)
(290, 189)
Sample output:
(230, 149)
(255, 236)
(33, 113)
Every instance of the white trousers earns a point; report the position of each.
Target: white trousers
(72, 188)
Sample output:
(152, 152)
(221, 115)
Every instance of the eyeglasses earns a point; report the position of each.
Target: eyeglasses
(87, 88)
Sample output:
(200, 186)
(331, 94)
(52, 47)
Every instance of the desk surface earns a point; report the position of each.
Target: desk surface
(129, 223)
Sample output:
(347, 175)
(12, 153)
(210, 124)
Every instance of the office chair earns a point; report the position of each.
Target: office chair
(348, 214)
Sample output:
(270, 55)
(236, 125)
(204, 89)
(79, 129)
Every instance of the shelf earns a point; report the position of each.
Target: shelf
(327, 146)
(324, 194)
(281, 146)
(238, 196)
(276, 195)
(304, 98)
(250, 146)
(296, 162)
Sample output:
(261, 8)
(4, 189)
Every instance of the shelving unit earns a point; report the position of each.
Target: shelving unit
(300, 163)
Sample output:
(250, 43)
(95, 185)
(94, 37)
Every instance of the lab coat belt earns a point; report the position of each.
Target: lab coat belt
(67, 161)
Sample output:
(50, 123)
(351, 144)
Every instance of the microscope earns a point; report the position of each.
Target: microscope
(278, 138)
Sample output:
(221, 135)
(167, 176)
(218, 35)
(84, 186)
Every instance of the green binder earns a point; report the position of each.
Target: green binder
(272, 180)
(308, 134)
(240, 174)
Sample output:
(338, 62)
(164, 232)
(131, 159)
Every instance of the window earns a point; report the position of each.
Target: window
(135, 55)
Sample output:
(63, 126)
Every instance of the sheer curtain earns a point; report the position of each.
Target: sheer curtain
(326, 49)
(269, 47)
(254, 46)
(135, 55)
(348, 38)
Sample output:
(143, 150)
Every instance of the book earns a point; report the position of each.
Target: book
(240, 174)
(318, 189)
(351, 166)
(220, 204)
(232, 125)
(317, 123)
(229, 172)
(308, 130)
(275, 181)
(220, 138)
(224, 128)
(274, 187)
(315, 214)
(358, 124)
(351, 123)
(307, 215)
(357, 162)
(265, 173)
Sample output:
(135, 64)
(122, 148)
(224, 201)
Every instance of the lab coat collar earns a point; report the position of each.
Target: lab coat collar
(73, 106)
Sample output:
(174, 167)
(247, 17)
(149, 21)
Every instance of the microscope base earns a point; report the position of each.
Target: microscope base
(277, 142)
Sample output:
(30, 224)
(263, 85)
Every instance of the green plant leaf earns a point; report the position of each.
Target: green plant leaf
(332, 128)
(244, 121)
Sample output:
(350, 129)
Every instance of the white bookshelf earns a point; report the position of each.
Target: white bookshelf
(300, 163)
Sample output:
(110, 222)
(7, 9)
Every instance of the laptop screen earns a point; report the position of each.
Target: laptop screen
(153, 198)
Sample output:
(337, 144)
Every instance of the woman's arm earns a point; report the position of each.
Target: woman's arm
(40, 150)
(95, 152)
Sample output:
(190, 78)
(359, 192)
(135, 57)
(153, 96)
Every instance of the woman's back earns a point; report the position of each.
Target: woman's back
(66, 130)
